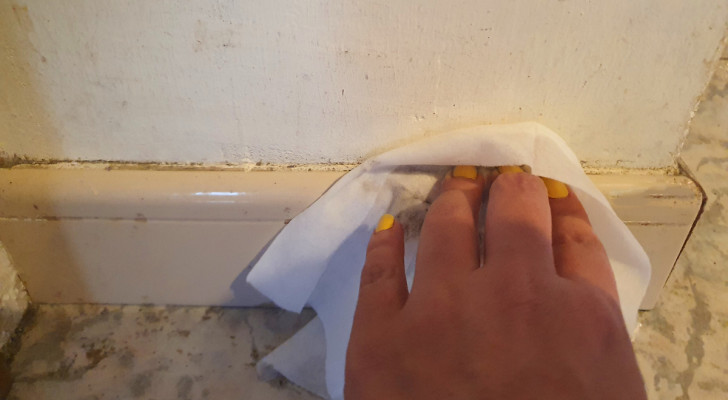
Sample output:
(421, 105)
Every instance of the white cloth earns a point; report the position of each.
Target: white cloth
(317, 258)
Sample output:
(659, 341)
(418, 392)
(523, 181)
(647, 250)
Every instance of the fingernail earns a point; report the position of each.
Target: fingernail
(510, 169)
(556, 189)
(386, 222)
(465, 171)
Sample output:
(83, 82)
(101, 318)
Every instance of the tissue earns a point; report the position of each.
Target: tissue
(317, 258)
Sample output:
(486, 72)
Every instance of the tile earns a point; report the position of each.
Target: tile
(95, 352)
(14, 299)
(149, 236)
(137, 262)
(663, 243)
(53, 193)
(682, 344)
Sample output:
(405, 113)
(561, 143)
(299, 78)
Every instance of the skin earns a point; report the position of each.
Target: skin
(540, 319)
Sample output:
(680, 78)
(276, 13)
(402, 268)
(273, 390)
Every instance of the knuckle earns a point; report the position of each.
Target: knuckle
(375, 271)
(519, 183)
(451, 202)
(464, 220)
(580, 235)
(451, 209)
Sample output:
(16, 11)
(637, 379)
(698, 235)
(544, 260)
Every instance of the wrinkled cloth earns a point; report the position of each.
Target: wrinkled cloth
(317, 258)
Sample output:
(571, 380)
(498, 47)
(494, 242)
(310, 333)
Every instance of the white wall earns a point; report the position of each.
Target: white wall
(319, 81)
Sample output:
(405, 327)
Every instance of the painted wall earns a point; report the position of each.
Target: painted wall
(330, 81)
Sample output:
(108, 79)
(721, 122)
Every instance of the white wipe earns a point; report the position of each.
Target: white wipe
(317, 258)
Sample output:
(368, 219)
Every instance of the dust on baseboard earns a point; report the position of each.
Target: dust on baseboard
(162, 166)
(15, 161)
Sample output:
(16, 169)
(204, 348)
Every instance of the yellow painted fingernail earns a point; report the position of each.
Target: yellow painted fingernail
(386, 222)
(556, 189)
(465, 171)
(509, 169)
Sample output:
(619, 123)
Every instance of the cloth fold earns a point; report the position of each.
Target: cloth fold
(317, 258)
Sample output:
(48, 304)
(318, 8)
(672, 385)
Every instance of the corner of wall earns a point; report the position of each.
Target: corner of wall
(720, 56)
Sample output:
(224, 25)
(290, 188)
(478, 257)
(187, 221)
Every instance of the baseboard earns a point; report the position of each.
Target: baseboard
(91, 235)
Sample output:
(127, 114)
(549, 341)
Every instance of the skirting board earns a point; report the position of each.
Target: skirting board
(125, 236)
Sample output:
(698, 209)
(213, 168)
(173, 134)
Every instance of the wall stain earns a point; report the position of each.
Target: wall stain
(23, 17)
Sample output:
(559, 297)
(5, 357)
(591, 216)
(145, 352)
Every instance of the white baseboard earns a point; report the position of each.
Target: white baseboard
(90, 235)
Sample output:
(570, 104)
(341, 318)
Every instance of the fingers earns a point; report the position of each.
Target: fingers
(578, 253)
(383, 286)
(449, 237)
(534, 227)
(518, 227)
(467, 180)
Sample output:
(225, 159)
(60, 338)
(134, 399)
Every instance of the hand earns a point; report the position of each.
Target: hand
(540, 319)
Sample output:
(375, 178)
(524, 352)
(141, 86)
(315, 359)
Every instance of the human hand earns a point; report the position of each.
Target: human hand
(540, 319)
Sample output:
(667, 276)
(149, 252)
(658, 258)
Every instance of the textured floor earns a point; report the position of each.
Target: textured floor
(92, 352)
(98, 352)
(682, 346)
